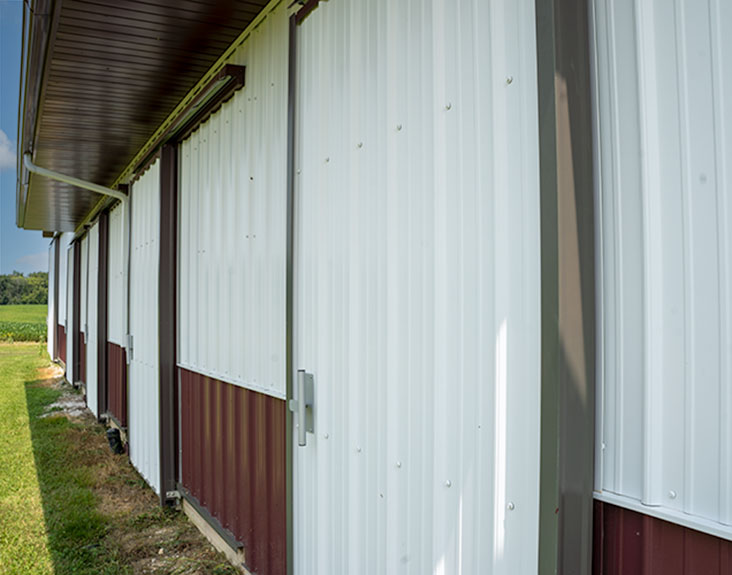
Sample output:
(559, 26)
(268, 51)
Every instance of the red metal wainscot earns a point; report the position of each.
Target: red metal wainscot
(117, 383)
(233, 463)
(630, 543)
(61, 339)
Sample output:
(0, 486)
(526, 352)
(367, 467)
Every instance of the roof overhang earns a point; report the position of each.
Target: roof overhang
(103, 81)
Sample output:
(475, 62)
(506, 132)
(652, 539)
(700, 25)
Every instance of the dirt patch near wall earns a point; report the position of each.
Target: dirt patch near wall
(139, 537)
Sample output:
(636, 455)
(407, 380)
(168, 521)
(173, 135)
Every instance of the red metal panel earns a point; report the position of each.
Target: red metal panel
(233, 462)
(117, 383)
(627, 542)
(61, 339)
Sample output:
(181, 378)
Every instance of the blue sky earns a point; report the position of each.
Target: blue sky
(20, 250)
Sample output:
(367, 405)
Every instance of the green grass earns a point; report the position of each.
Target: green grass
(49, 521)
(23, 322)
(23, 544)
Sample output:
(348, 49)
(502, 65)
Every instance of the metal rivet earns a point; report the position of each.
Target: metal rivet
(509, 80)
(326, 436)
(448, 483)
(448, 106)
(381, 495)
(327, 160)
(672, 494)
(399, 127)
(360, 145)
(511, 506)
(399, 463)
(358, 450)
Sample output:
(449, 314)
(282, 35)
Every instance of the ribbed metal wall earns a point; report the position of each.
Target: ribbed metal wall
(116, 287)
(233, 462)
(144, 384)
(91, 324)
(63, 270)
(231, 286)
(629, 542)
(418, 288)
(70, 351)
(50, 314)
(664, 119)
(84, 278)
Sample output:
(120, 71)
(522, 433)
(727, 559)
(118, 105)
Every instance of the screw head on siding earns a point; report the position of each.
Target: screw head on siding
(327, 160)
(358, 450)
(399, 127)
(672, 494)
(448, 106)
(398, 463)
(360, 145)
(510, 506)
(326, 436)
(509, 80)
(448, 483)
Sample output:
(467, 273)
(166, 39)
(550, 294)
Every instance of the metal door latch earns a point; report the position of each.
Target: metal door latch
(303, 406)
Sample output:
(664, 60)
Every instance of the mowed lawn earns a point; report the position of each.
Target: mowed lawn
(23, 543)
(23, 322)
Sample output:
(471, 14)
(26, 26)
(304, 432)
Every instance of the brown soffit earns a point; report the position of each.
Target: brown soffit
(100, 79)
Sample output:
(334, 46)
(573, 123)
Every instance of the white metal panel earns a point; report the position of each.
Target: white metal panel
(92, 304)
(664, 117)
(232, 218)
(84, 278)
(144, 400)
(50, 321)
(418, 288)
(143, 385)
(63, 269)
(116, 287)
(70, 351)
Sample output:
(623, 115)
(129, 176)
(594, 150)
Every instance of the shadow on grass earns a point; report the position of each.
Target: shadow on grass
(76, 530)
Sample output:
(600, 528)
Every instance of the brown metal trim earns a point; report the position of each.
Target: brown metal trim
(167, 320)
(76, 318)
(568, 286)
(102, 303)
(181, 129)
(56, 263)
(289, 288)
(305, 11)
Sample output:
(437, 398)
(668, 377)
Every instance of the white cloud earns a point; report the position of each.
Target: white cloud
(7, 153)
(32, 263)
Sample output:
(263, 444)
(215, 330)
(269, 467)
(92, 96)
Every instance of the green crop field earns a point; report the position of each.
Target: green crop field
(23, 322)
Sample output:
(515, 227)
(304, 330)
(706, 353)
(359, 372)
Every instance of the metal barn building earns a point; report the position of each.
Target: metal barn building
(440, 286)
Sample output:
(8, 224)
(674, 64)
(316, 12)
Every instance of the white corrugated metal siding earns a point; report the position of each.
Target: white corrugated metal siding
(63, 270)
(232, 218)
(143, 390)
(70, 351)
(92, 314)
(50, 320)
(418, 288)
(84, 286)
(664, 116)
(116, 287)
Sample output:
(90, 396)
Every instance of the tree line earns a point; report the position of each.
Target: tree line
(15, 288)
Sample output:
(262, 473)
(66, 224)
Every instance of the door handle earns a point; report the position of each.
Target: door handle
(302, 406)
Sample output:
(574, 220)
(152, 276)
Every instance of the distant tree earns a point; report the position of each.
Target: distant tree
(15, 288)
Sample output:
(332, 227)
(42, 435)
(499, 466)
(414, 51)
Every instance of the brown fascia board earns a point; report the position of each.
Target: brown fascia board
(34, 62)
